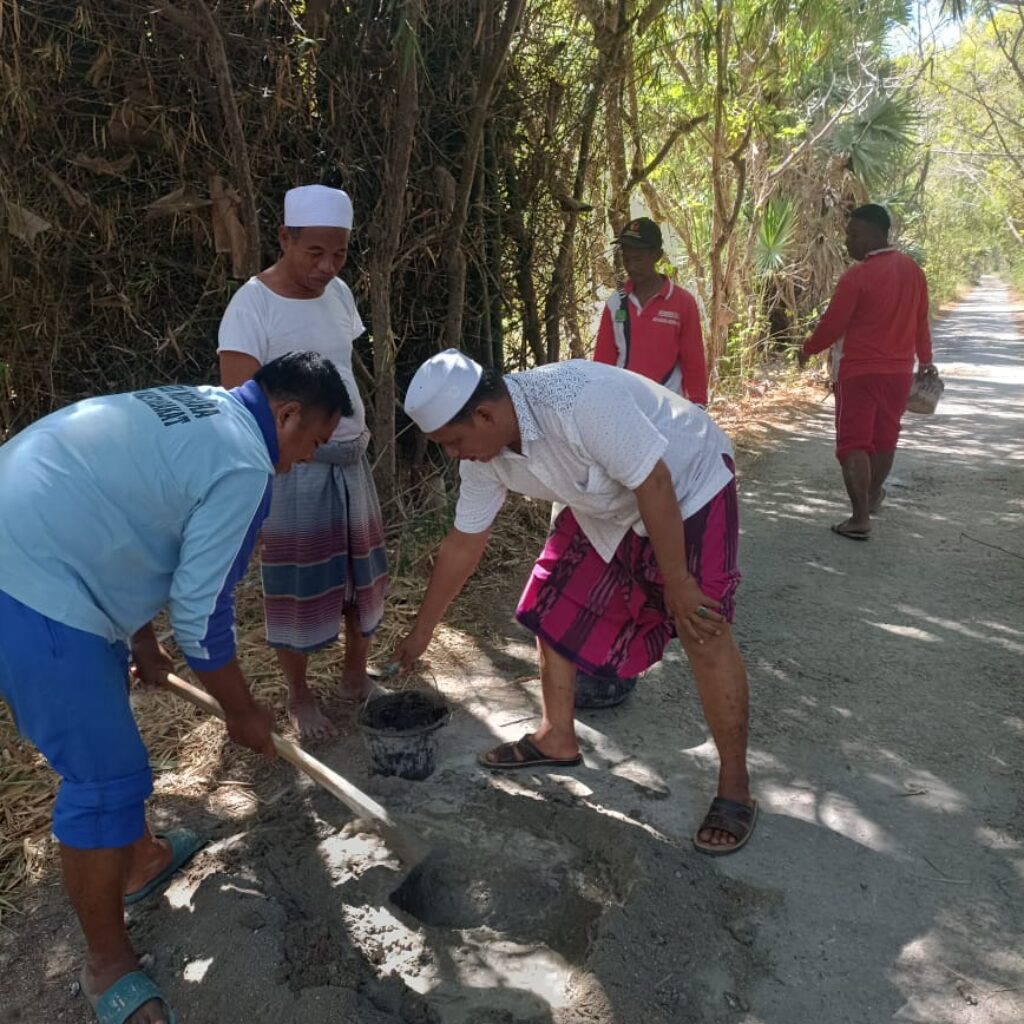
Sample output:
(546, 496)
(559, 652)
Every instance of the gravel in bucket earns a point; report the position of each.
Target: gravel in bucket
(399, 730)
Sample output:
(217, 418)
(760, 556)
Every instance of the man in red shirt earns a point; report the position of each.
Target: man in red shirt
(879, 316)
(652, 326)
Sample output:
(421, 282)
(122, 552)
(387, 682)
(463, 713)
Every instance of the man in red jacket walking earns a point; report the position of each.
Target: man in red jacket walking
(879, 317)
(652, 326)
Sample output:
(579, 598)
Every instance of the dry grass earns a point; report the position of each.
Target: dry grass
(188, 750)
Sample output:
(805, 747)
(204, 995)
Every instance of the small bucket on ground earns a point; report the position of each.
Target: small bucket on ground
(400, 731)
(601, 691)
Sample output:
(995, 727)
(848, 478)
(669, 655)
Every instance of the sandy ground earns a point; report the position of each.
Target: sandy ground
(885, 878)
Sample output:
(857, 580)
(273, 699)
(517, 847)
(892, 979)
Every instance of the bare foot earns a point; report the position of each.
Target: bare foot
(309, 721)
(716, 837)
(95, 983)
(876, 501)
(354, 686)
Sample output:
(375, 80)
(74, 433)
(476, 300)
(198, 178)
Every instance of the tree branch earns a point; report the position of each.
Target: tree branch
(641, 174)
(844, 109)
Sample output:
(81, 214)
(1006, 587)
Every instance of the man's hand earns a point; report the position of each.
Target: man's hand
(150, 661)
(251, 727)
(411, 649)
(697, 616)
(249, 722)
(928, 370)
(457, 558)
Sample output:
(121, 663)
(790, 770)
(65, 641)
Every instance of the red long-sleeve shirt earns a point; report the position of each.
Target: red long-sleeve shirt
(880, 310)
(665, 340)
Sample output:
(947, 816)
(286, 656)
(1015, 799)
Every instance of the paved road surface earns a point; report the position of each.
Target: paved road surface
(889, 703)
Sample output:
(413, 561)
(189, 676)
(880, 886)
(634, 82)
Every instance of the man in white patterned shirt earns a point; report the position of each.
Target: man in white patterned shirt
(645, 549)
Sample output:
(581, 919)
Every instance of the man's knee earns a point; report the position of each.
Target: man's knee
(713, 650)
(854, 450)
(106, 814)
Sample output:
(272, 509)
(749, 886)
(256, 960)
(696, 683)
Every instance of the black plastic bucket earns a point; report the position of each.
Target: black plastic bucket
(601, 691)
(399, 730)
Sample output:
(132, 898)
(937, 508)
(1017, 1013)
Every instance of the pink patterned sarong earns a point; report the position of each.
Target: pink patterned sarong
(609, 618)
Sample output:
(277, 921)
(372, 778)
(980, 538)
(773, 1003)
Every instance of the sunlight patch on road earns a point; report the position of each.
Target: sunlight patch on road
(925, 789)
(995, 839)
(843, 816)
(958, 627)
(910, 632)
(833, 810)
(825, 568)
(602, 747)
(353, 852)
(196, 970)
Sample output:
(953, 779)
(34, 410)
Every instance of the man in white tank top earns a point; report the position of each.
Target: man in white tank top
(322, 546)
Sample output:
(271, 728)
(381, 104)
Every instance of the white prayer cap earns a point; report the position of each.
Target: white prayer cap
(440, 388)
(317, 206)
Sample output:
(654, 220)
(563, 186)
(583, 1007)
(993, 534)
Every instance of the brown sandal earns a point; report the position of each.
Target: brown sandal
(524, 753)
(727, 816)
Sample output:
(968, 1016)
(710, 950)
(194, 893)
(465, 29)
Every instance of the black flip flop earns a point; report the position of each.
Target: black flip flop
(849, 534)
(524, 753)
(727, 816)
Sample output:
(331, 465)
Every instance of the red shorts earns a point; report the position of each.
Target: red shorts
(869, 408)
(609, 618)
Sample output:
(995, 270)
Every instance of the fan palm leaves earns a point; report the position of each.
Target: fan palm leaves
(872, 142)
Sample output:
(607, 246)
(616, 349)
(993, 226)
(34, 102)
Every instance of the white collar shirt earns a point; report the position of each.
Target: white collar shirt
(590, 435)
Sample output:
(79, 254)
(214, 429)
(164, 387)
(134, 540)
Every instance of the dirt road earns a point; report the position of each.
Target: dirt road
(885, 879)
(890, 707)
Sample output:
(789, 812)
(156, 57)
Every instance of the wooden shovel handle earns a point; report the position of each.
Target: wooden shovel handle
(353, 798)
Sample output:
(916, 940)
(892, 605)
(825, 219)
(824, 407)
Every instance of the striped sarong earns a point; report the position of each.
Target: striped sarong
(609, 618)
(322, 549)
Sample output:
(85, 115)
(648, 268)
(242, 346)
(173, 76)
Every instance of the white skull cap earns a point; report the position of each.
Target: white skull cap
(440, 388)
(317, 206)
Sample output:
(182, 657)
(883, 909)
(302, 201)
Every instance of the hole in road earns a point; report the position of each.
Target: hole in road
(522, 889)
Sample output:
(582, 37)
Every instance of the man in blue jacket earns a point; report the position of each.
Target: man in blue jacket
(111, 510)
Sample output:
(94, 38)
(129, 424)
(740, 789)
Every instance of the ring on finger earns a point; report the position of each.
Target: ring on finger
(702, 612)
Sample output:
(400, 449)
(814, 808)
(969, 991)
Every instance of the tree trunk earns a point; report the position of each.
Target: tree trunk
(387, 228)
(615, 140)
(728, 168)
(490, 69)
(609, 45)
(515, 219)
(493, 235)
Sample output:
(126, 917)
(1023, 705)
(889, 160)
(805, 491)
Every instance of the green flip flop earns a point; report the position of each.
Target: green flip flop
(185, 844)
(125, 996)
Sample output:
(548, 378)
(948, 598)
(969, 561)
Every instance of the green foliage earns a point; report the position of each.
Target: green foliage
(968, 217)
(748, 127)
(874, 142)
(776, 233)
